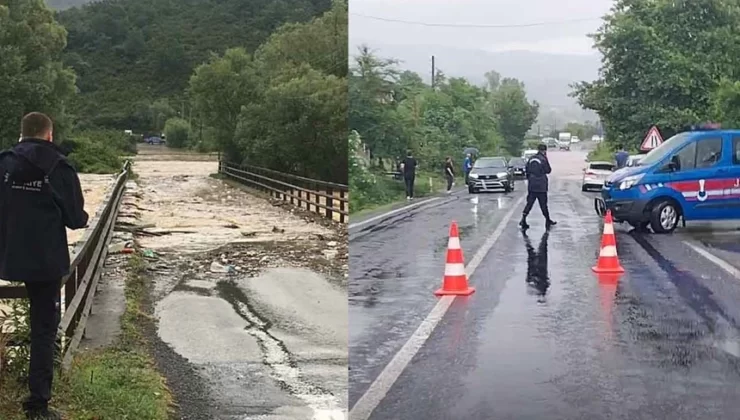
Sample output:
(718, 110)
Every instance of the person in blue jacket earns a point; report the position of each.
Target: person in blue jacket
(467, 166)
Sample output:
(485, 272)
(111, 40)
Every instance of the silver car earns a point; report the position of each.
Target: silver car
(595, 174)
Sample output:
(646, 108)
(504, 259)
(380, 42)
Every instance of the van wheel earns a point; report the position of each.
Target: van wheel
(584, 188)
(664, 217)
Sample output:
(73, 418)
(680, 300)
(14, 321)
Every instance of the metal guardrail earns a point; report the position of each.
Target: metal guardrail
(308, 195)
(85, 270)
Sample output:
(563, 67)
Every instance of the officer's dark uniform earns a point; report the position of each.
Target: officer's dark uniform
(40, 195)
(538, 167)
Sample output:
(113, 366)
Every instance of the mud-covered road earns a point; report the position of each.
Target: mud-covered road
(250, 299)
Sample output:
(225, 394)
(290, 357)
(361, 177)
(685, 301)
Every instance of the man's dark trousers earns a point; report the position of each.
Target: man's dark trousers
(540, 197)
(409, 186)
(44, 321)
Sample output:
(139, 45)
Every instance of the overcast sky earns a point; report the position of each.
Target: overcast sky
(554, 38)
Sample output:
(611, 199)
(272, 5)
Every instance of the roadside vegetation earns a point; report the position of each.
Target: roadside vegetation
(152, 67)
(393, 111)
(670, 64)
(117, 382)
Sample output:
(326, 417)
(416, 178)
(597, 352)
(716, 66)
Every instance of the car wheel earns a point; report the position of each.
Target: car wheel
(584, 188)
(471, 190)
(665, 216)
(508, 189)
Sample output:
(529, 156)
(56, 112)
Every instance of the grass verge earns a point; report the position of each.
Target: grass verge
(115, 383)
(388, 192)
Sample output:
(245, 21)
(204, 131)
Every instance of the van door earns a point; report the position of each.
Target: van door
(732, 193)
(700, 173)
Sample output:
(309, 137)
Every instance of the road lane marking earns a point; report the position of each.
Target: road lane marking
(391, 213)
(715, 259)
(390, 374)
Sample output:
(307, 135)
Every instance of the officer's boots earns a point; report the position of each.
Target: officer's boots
(523, 223)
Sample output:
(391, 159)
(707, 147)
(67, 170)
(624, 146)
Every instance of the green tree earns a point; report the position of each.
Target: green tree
(514, 114)
(32, 77)
(286, 106)
(663, 63)
(177, 131)
(219, 90)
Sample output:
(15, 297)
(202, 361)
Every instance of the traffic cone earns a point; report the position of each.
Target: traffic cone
(455, 281)
(608, 261)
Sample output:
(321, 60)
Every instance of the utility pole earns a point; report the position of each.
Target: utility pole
(433, 75)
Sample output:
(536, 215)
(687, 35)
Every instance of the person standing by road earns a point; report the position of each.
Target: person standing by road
(449, 174)
(467, 166)
(409, 174)
(621, 157)
(40, 195)
(538, 167)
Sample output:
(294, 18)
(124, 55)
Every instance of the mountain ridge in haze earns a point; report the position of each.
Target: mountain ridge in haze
(547, 76)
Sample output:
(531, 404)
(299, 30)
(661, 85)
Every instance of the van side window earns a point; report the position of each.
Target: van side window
(685, 159)
(708, 152)
(736, 150)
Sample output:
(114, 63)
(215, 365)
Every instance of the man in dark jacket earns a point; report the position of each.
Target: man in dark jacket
(40, 195)
(538, 167)
(409, 174)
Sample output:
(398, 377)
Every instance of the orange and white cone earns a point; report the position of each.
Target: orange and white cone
(455, 281)
(608, 260)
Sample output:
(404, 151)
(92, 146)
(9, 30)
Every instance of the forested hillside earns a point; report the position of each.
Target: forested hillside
(129, 55)
(65, 4)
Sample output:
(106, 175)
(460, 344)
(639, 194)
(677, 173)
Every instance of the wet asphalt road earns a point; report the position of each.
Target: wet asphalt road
(543, 337)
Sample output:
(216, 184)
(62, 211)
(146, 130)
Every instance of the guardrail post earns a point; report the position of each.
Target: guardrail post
(342, 206)
(330, 193)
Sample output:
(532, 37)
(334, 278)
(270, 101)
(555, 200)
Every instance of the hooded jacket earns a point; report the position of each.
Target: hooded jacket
(40, 195)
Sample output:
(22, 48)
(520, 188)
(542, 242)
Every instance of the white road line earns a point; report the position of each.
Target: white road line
(390, 213)
(715, 259)
(383, 383)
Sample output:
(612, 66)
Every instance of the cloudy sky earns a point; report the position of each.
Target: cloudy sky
(553, 37)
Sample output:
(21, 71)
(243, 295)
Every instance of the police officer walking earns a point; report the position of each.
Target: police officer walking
(538, 167)
(40, 195)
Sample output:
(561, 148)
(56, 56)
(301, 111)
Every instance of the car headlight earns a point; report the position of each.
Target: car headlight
(502, 174)
(630, 181)
(474, 176)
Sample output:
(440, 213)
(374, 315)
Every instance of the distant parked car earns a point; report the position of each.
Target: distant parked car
(595, 174)
(563, 145)
(490, 173)
(154, 140)
(518, 166)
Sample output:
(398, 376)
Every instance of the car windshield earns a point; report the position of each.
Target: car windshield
(516, 162)
(657, 154)
(490, 163)
(602, 166)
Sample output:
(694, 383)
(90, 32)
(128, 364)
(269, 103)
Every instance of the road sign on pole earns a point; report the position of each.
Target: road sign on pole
(652, 140)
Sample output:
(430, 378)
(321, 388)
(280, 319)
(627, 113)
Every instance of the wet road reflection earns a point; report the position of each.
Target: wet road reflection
(538, 277)
(658, 343)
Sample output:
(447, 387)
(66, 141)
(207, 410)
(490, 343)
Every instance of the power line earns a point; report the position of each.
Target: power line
(473, 25)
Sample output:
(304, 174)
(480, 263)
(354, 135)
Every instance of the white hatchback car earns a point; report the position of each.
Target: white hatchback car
(595, 174)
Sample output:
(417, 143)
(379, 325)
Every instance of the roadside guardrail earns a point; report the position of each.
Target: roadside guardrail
(328, 199)
(88, 258)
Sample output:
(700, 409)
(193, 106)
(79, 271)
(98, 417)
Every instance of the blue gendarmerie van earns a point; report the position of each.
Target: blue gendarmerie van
(694, 175)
